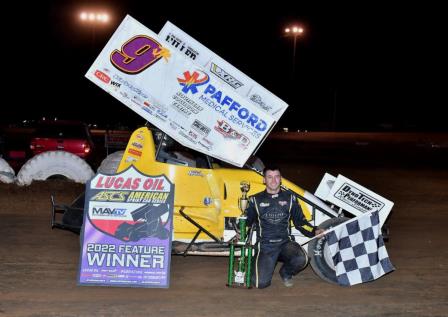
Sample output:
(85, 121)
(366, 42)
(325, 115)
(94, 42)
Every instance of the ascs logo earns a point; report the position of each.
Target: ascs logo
(190, 82)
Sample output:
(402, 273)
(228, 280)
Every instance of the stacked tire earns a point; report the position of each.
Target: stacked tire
(54, 164)
(7, 174)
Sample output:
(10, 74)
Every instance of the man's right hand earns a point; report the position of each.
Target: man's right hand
(319, 233)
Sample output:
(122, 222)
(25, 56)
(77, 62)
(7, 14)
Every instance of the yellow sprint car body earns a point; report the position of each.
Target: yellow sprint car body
(206, 191)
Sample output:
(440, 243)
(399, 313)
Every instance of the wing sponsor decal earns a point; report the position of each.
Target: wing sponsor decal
(137, 54)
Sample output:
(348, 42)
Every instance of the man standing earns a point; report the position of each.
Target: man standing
(271, 210)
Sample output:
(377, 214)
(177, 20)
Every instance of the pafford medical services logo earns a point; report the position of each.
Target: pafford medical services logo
(191, 81)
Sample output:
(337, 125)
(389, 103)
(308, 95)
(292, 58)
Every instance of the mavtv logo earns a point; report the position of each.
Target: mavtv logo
(116, 212)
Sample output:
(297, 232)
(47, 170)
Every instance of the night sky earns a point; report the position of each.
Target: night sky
(362, 67)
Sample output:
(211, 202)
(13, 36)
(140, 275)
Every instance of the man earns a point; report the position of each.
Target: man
(271, 210)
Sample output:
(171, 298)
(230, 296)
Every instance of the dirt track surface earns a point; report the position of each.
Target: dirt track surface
(38, 266)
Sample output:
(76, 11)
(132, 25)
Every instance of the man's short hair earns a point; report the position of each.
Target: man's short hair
(271, 168)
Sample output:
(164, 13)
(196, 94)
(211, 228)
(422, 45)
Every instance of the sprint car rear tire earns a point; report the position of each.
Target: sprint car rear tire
(321, 260)
(55, 163)
(6, 172)
(110, 164)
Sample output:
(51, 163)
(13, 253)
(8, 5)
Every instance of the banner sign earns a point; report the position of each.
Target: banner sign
(178, 96)
(353, 197)
(222, 71)
(127, 230)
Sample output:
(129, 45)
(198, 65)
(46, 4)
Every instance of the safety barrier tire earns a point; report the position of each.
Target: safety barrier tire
(110, 164)
(7, 174)
(321, 260)
(55, 163)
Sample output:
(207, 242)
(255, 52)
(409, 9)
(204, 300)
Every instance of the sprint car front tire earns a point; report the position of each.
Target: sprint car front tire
(321, 259)
(110, 164)
(55, 163)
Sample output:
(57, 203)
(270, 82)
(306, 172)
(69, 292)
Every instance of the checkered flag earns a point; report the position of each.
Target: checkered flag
(358, 250)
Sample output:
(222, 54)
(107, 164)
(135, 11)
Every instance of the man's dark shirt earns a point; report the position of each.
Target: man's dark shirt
(272, 215)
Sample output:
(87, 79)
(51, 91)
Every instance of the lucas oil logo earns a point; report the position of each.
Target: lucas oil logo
(190, 82)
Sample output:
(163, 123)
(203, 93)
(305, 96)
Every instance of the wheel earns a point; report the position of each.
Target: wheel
(55, 164)
(110, 164)
(321, 259)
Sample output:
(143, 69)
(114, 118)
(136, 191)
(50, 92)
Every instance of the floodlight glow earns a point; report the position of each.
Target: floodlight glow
(94, 17)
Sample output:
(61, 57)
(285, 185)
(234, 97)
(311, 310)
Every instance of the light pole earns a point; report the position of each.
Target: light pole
(94, 18)
(294, 32)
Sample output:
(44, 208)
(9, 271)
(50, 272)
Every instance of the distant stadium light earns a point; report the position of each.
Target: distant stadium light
(94, 17)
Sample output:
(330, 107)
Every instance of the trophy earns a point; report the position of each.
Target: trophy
(244, 201)
(239, 272)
